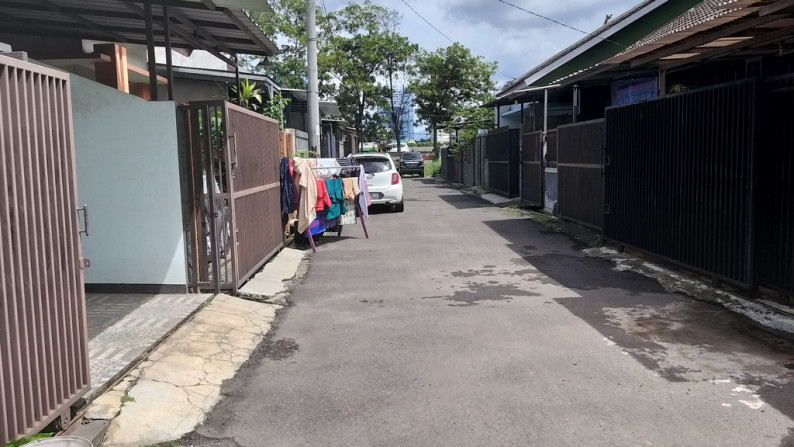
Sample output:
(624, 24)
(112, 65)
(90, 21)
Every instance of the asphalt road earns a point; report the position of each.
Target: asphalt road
(459, 324)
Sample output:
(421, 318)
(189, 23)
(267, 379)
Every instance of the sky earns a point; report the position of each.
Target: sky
(515, 39)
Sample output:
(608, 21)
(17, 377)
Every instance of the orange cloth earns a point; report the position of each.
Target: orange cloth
(323, 199)
(350, 188)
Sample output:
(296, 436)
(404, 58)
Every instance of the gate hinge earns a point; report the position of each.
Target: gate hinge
(606, 208)
(85, 263)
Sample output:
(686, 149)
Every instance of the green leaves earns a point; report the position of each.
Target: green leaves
(450, 81)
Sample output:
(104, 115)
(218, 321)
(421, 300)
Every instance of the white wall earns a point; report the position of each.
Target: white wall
(128, 174)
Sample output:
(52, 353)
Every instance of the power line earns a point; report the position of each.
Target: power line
(562, 24)
(426, 21)
(439, 32)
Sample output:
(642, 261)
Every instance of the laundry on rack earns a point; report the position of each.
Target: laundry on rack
(303, 169)
(337, 207)
(317, 226)
(350, 189)
(363, 198)
(347, 165)
(323, 199)
(326, 168)
(349, 217)
(287, 186)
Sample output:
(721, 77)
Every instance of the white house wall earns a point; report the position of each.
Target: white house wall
(128, 175)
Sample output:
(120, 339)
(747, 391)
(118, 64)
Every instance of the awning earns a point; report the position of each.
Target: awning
(218, 26)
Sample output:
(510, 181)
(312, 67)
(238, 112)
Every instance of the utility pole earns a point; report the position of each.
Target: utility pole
(313, 90)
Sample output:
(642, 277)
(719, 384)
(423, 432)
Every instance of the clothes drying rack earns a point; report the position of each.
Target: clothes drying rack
(356, 203)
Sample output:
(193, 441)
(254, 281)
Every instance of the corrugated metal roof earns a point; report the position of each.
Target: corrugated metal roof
(217, 27)
(707, 15)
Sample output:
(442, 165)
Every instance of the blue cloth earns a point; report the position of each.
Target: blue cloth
(317, 226)
(287, 187)
(334, 187)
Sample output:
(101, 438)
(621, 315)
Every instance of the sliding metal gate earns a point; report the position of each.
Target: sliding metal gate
(502, 147)
(679, 179)
(775, 228)
(43, 335)
(233, 207)
(580, 185)
(532, 167)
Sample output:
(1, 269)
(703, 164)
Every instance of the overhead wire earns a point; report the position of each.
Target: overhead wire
(439, 32)
(561, 23)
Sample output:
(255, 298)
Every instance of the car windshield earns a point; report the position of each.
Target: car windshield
(374, 164)
(412, 156)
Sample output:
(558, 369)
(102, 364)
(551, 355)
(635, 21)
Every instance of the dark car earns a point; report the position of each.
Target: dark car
(412, 163)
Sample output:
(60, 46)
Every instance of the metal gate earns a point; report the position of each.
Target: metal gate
(580, 183)
(532, 166)
(233, 209)
(43, 336)
(550, 173)
(679, 178)
(775, 227)
(502, 147)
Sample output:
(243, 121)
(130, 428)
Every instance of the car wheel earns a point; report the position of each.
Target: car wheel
(400, 207)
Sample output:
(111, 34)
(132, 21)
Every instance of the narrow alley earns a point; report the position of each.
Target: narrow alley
(460, 323)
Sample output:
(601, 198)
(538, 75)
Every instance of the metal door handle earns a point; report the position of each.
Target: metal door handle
(84, 209)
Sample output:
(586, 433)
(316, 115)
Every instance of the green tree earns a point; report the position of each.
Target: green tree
(355, 57)
(287, 24)
(449, 80)
(470, 120)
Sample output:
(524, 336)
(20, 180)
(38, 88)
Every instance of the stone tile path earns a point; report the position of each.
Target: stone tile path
(122, 327)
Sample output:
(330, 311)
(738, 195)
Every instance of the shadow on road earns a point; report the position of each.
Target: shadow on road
(681, 339)
(462, 202)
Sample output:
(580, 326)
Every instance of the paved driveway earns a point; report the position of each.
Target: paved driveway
(459, 324)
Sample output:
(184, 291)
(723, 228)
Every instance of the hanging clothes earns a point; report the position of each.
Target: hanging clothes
(308, 191)
(287, 186)
(327, 168)
(317, 226)
(363, 198)
(349, 218)
(323, 200)
(350, 189)
(337, 207)
(344, 163)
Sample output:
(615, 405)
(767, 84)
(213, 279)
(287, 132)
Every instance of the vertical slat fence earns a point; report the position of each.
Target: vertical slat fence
(679, 180)
(43, 329)
(580, 184)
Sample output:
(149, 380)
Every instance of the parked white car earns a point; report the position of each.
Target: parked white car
(383, 181)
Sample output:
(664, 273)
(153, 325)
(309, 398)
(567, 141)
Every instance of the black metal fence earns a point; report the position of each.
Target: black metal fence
(502, 148)
(532, 167)
(679, 179)
(775, 209)
(580, 186)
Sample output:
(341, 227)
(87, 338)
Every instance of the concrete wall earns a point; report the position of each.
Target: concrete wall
(128, 174)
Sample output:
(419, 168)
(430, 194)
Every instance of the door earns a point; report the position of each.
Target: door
(43, 328)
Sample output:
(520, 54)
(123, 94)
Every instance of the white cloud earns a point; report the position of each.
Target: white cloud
(515, 39)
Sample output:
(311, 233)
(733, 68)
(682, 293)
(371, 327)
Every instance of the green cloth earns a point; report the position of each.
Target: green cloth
(334, 187)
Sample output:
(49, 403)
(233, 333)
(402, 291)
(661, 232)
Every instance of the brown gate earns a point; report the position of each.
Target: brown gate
(43, 335)
(531, 166)
(233, 215)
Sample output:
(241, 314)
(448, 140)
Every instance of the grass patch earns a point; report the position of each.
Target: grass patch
(514, 210)
(432, 167)
(127, 398)
(31, 438)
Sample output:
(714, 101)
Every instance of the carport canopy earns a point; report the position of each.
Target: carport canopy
(217, 26)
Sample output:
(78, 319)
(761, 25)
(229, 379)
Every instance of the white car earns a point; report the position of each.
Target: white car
(383, 181)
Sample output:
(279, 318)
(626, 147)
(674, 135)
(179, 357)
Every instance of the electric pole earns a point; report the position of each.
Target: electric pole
(313, 124)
